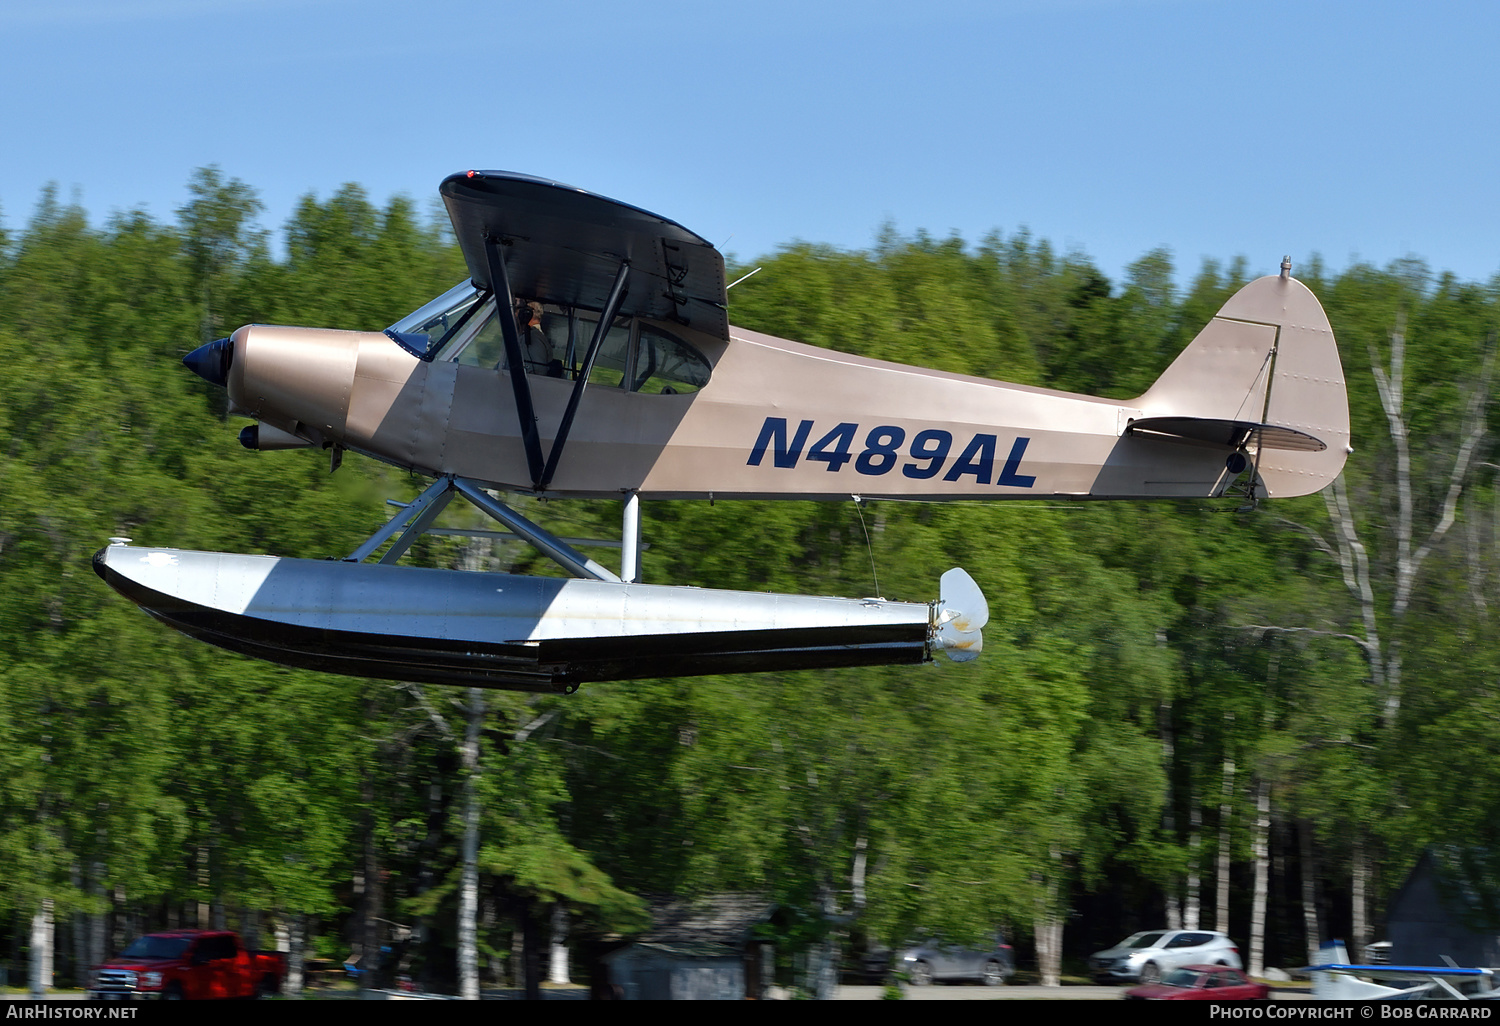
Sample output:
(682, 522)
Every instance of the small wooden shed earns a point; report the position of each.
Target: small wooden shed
(697, 949)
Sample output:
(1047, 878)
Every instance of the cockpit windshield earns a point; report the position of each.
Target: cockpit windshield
(461, 326)
(423, 331)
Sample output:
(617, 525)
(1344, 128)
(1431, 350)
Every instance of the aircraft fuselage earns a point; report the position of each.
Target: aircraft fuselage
(778, 418)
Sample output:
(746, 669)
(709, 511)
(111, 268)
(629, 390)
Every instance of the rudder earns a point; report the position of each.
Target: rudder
(1267, 366)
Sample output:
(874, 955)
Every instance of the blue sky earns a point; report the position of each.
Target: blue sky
(1214, 128)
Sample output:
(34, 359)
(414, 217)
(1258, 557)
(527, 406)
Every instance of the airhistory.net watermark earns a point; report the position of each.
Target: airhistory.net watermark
(18, 1010)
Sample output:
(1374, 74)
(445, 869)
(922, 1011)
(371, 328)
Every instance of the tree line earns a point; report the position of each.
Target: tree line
(1186, 713)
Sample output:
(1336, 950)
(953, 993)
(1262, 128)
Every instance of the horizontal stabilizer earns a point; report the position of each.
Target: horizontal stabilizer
(1232, 434)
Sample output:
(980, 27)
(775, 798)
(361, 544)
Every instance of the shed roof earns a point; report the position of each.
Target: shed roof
(725, 918)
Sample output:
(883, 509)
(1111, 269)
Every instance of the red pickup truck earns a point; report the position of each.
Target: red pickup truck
(187, 965)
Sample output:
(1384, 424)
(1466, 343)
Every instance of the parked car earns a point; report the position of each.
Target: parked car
(1145, 957)
(1202, 983)
(875, 964)
(187, 964)
(934, 959)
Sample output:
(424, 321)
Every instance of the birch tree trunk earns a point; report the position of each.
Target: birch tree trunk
(518, 955)
(1049, 930)
(1259, 851)
(202, 921)
(1048, 926)
(557, 970)
(1226, 813)
(1311, 929)
(41, 950)
(1190, 914)
(1359, 873)
(98, 920)
(1390, 383)
(487, 924)
(296, 936)
(857, 874)
(468, 898)
(826, 979)
(1168, 816)
(80, 932)
(122, 921)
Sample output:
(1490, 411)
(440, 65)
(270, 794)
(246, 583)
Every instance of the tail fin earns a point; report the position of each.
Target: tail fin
(1263, 377)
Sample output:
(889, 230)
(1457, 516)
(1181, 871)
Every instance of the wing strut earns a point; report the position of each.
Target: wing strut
(520, 386)
(611, 307)
(541, 473)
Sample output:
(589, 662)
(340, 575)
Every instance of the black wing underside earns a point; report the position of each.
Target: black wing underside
(565, 246)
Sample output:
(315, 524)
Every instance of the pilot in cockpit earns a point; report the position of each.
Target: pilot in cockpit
(536, 347)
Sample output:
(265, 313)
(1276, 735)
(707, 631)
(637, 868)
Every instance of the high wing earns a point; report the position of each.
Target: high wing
(564, 246)
(1404, 972)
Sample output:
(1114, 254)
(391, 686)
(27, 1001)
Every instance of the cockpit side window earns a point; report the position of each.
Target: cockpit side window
(577, 331)
(484, 347)
(461, 326)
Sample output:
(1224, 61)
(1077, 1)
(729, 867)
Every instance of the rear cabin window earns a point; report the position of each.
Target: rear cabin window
(666, 366)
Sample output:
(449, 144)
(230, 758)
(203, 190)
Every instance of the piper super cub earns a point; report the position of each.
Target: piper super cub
(589, 354)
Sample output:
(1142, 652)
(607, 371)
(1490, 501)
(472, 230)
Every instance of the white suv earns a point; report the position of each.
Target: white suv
(1145, 956)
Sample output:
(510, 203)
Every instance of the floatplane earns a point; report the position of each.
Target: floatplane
(589, 354)
(1335, 978)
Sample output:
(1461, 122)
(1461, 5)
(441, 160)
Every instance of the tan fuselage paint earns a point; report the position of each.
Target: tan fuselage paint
(783, 419)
